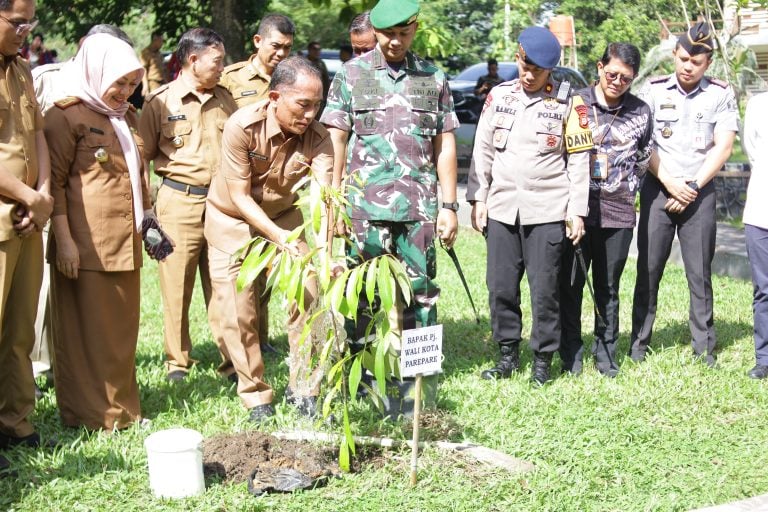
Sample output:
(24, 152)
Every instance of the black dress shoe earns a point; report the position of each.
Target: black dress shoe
(509, 362)
(30, 441)
(758, 372)
(305, 405)
(267, 348)
(261, 413)
(542, 363)
(176, 376)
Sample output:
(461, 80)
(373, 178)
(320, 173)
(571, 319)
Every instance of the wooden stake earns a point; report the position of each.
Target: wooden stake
(415, 440)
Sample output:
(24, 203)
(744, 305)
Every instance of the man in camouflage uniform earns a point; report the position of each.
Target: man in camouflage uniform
(528, 185)
(391, 119)
(248, 82)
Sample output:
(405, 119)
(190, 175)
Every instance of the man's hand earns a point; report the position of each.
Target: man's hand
(22, 224)
(67, 257)
(447, 227)
(39, 207)
(674, 206)
(679, 190)
(574, 229)
(479, 216)
(291, 247)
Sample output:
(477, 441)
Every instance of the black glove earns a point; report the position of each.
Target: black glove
(156, 242)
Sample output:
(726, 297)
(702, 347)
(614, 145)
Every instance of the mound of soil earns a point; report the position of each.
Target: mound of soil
(233, 458)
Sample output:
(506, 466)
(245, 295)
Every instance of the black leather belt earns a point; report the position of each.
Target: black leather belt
(183, 187)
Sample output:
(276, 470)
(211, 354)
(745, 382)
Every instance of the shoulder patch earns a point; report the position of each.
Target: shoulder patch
(658, 79)
(235, 66)
(718, 82)
(67, 102)
(156, 92)
(578, 135)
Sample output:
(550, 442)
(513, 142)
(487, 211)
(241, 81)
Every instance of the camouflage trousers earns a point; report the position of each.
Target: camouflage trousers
(412, 244)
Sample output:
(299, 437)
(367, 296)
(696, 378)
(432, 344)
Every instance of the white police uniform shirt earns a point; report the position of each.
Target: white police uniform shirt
(685, 123)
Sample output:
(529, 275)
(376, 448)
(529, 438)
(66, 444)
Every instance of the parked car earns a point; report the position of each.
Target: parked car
(332, 61)
(468, 106)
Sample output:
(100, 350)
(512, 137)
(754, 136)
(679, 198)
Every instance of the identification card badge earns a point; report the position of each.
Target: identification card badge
(598, 163)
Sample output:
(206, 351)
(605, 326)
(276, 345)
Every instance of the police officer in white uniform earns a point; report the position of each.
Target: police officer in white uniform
(695, 122)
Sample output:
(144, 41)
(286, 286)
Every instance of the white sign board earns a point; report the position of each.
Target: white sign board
(422, 351)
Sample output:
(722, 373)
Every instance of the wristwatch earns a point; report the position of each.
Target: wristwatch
(451, 206)
(693, 185)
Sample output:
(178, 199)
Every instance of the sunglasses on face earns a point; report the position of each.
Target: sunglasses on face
(611, 77)
(21, 27)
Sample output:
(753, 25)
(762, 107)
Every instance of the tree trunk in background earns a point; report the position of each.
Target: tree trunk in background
(227, 18)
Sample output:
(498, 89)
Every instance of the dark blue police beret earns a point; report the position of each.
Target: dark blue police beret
(539, 46)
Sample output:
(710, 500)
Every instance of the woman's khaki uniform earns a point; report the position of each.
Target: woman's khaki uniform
(95, 317)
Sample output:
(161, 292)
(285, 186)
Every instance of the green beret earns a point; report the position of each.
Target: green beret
(391, 13)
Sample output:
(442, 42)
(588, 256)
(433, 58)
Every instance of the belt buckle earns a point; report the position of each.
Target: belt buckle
(187, 189)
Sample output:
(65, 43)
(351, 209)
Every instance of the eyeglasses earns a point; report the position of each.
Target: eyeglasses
(611, 77)
(22, 27)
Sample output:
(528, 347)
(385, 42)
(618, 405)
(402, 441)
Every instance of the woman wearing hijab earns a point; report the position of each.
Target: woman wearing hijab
(100, 198)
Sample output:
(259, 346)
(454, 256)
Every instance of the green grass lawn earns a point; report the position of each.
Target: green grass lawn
(668, 434)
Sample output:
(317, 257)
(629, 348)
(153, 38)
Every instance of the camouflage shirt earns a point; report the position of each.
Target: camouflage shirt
(394, 116)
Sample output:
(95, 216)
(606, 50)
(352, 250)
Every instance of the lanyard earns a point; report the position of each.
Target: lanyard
(608, 130)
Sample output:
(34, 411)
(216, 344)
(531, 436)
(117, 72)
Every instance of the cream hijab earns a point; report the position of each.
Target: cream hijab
(99, 63)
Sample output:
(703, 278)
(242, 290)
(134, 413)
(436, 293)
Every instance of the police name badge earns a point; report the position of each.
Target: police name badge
(598, 165)
(422, 351)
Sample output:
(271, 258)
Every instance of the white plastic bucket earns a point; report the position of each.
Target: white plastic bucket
(175, 458)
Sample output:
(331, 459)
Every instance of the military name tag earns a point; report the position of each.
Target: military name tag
(177, 117)
(256, 156)
(359, 103)
(428, 104)
(97, 131)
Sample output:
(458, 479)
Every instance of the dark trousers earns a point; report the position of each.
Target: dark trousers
(695, 228)
(537, 251)
(606, 249)
(757, 252)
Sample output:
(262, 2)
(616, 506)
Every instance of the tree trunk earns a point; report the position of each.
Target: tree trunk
(227, 18)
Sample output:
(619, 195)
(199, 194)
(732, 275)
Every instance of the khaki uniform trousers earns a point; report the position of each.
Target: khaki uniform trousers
(181, 216)
(241, 331)
(21, 272)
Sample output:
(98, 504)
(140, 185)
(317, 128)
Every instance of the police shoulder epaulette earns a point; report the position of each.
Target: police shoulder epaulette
(509, 82)
(658, 79)
(718, 82)
(67, 102)
(157, 91)
(235, 66)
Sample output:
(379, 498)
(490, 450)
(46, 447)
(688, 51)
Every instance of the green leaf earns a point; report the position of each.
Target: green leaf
(370, 280)
(344, 455)
(348, 430)
(252, 265)
(355, 374)
(352, 295)
(384, 283)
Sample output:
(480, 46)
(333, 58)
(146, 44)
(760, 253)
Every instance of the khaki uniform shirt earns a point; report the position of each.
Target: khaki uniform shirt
(245, 82)
(49, 84)
(256, 149)
(95, 196)
(521, 165)
(20, 118)
(685, 123)
(154, 67)
(182, 129)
